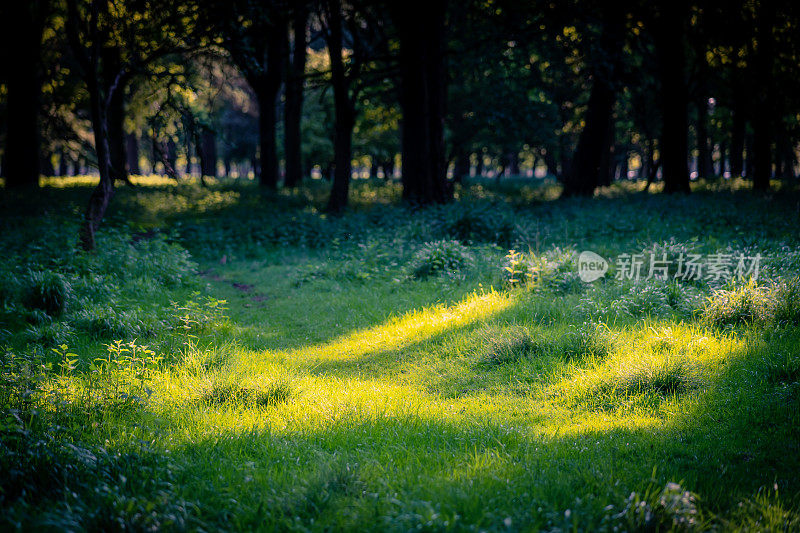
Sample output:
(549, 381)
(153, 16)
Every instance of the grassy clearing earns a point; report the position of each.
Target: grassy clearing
(234, 360)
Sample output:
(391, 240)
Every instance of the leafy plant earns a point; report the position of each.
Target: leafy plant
(47, 291)
(438, 257)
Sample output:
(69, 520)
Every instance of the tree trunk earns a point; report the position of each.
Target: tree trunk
(23, 29)
(669, 33)
(46, 167)
(63, 168)
(208, 153)
(705, 168)
(737, 140)
(422, 99)
(171, 158)
(460, 167)
(589, 164)
(512, 163)
(101, 196)
(762, 116)
(116, 135)
(293, 113)
(268, 155)
(344, 109)
(132, 153)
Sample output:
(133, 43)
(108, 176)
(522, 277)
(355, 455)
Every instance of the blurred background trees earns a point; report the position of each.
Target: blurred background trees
(432, 93)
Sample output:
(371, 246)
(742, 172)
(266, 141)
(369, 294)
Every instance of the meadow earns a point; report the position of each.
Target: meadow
(230, 359)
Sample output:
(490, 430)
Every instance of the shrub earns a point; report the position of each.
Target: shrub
(440, 256)
(671, 509)
(750, 303)
(517, 343)
(106, 323)
(509, 346)
(663, 376)
(49, 334)
(516, 270)
(583, 341)
(481, 222)
(653, 298)
(47, 291)
(786, 298)
(554, 270)
(234, 393)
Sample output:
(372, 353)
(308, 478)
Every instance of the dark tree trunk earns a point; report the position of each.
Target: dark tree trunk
(592, 151)
(623, 163)
(762, 116)
(652, 164)
(268, 155)
(63, 167)
(102, 194)
(344, 109)
(705, 168)
(46, 167)
(669, 33)
(512, 163)
(388, 169)
(116, 135)
(132, 153)
(293, 113)
(422, 99)
(22, 29)
(610, 159)
(737, 140)
(719, 168)
(343, 143)
(749, 162)
(208, 153)
(589, 164)
(460, 167)
(171, 158)
(550, 163)
(644, 169)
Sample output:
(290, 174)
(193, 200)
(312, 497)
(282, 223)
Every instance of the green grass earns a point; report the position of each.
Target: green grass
(231, 359)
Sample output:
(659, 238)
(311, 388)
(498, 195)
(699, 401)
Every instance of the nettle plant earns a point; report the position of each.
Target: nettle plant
(517, 270)
(439, 257)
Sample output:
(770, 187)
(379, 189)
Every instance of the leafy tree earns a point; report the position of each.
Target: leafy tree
(421, 34)
(23, 25)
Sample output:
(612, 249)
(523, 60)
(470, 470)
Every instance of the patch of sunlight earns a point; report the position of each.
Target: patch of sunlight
(413, 327)
(652, 363)
(92, 179)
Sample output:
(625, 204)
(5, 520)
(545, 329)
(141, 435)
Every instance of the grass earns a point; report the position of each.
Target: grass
(236, 360)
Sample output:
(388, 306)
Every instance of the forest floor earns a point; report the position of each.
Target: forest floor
(232, 359)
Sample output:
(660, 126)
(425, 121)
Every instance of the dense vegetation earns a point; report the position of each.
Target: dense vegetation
(425, 91)
(231, 360)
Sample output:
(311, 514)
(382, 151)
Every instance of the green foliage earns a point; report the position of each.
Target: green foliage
(512, 345)
(46, 291)
(480, 222)
(341, 395)
(438, 257)
(672, 375)
(516, 270)
(750, 303)
(671, 509)
(235, 394)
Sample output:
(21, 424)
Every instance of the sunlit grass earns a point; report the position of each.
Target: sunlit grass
(338, 391)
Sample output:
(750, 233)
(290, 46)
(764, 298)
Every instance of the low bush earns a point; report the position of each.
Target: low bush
(47, 291)
(236, 394)
(776, 303)
(439, 257)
